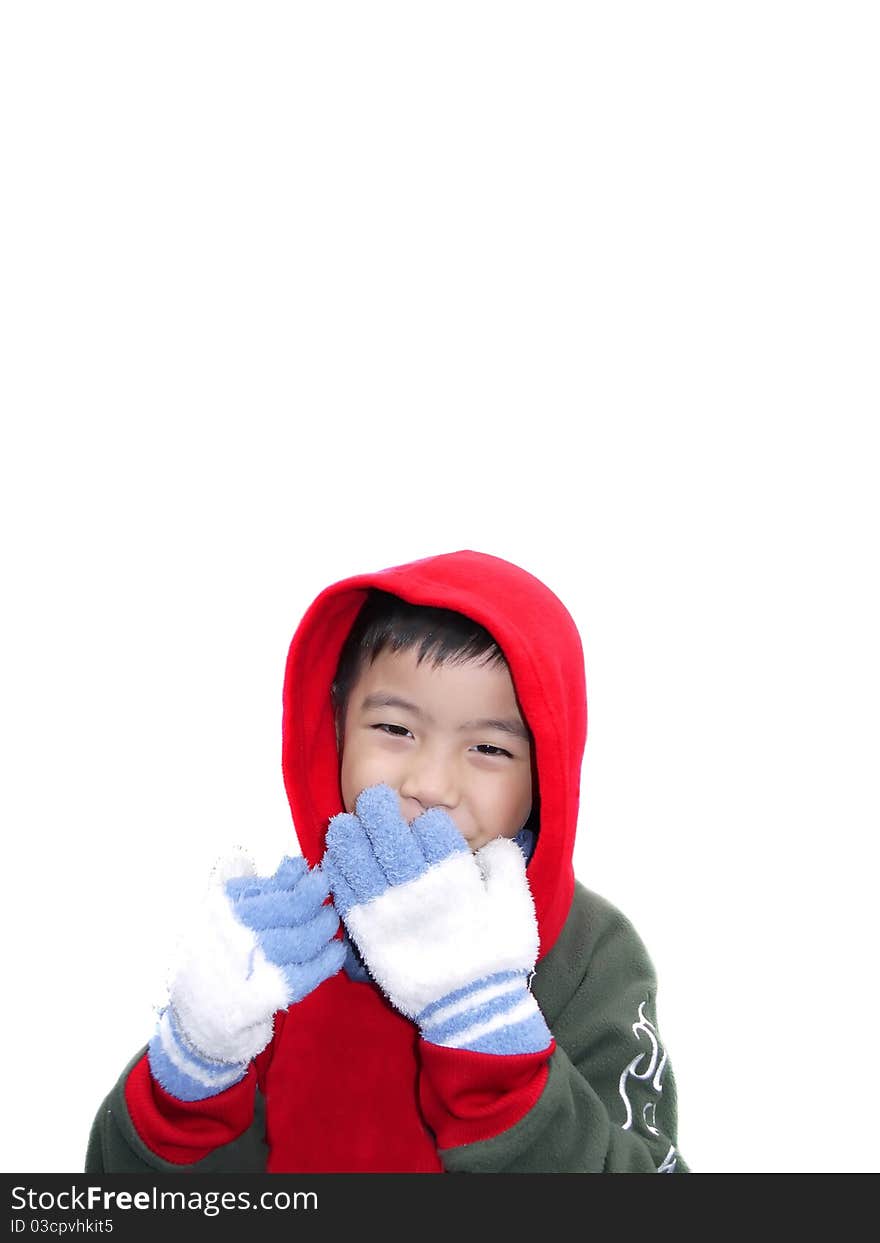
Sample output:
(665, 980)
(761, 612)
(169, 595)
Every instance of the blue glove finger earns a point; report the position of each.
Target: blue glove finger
(285, 907)
(436, 835)
(303, 977)
(344, 897)
(349, 849)
(289, 872)
(391, 838)
(310, 892)
(244, 887)
(302, 943)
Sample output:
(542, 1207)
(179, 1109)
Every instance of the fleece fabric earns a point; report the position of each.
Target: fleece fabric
(346, 1084)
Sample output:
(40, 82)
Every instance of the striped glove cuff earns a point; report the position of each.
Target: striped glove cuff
(181, 1070)
(497, 1014)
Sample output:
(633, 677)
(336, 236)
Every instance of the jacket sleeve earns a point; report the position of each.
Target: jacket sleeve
(604, 1101)
(141, 1129)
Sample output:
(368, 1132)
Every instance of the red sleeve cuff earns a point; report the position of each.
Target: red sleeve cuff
(186, 1131)
(467, 1097)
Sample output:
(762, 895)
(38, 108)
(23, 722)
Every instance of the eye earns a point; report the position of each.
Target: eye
(385, 726)
(484, 748)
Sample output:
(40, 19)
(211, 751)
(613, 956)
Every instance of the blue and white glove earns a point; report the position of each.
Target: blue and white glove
(450, 936)
(259, 945)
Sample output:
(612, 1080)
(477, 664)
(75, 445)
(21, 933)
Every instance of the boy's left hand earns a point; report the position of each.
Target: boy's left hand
(450, 936)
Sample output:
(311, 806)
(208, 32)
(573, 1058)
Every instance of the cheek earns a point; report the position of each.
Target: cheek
(503, 806)
(518, 804)
(362, 766)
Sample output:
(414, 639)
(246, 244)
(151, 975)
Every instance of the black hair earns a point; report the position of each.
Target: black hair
(386, 621)
(442, 636)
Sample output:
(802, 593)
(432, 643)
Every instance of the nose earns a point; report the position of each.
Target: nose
(429, 782)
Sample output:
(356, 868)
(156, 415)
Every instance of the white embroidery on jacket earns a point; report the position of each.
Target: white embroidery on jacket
(656, 1063)
(668, 1164)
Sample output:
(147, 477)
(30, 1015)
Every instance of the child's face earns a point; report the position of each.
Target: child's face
(435, 753)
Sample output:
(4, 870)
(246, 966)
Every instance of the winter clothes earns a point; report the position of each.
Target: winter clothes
(347, 1082)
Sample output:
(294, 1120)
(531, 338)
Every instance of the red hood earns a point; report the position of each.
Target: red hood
(543, 650)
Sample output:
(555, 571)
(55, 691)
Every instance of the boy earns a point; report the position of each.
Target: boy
(479, 1011)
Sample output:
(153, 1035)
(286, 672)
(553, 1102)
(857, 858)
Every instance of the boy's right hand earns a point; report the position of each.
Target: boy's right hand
(261, 944)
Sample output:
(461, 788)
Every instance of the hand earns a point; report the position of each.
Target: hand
(450, 936)
(261, 944)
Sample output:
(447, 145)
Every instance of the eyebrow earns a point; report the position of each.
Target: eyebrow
(381, 699)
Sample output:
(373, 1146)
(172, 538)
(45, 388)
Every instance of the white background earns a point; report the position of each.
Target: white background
(293, 291)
